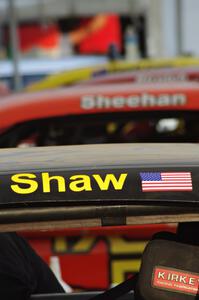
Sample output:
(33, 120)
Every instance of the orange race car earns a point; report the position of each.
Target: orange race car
(99, 114)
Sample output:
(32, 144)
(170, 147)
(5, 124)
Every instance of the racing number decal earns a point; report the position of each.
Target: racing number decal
(123, 255)
(60, 245)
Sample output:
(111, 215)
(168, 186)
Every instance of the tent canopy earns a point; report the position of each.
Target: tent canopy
(36, 9)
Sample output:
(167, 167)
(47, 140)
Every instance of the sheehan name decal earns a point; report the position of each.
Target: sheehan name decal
(132, 101)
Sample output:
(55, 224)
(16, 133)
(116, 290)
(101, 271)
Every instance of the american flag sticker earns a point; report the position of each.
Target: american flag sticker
(166, 181)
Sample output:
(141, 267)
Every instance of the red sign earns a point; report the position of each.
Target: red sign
(175, 280)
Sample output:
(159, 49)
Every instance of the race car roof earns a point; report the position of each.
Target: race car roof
(94, 185)
(74, 76)
(98, 156)
(144, 76)
(98, 99)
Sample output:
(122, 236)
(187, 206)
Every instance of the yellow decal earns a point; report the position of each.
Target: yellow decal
(122, 246)
(60, 245)
(80, 183)
(76, 183)
(110, 178)
(119, 268)
(84, 244)
(26, 179)
(46, 179)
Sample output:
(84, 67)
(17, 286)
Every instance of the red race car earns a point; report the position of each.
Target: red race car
(101, 113)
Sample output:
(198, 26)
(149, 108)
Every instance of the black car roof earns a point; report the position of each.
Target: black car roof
(98, 185)
(98, 156)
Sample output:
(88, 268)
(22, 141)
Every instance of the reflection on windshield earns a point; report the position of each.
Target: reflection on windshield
(106, 128)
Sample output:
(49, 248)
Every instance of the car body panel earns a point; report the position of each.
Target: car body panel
(147, 76)
(98, 99)
(74, 76)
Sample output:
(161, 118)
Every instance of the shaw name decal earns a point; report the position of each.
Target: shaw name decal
(132, 101)
(122, 185)
(27, 183)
